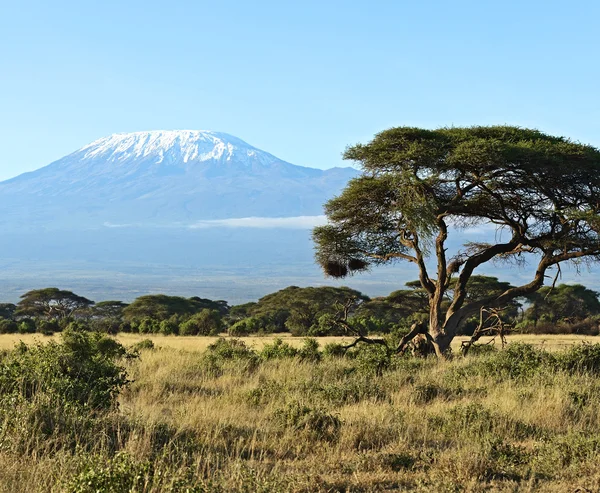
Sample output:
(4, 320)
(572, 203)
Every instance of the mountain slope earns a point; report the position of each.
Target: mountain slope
(165, 178)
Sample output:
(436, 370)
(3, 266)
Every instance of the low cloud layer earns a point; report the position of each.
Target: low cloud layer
(298, 222)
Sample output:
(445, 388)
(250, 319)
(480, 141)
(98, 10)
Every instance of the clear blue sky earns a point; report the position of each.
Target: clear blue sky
(298, 79)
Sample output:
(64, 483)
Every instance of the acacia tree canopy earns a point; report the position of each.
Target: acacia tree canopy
(52, 303)
(542, 192)
(563, 303)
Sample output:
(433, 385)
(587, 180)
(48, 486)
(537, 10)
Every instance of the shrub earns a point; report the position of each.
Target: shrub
(278, 349)
(517, 361)
(372, 358)
(334, 350)
(584, 357)
(230, 349)
(120, 474)
(310, 350)
(143, 345)
(148, 326)
(81, 370)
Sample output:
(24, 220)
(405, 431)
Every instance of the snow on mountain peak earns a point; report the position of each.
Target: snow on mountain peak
(189, 145)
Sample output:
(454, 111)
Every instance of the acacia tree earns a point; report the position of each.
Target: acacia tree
(52, 303)
(541, 192)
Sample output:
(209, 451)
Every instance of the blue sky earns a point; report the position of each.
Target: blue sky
(298, 79)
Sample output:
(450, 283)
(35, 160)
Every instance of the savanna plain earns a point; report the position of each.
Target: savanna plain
(87, 412)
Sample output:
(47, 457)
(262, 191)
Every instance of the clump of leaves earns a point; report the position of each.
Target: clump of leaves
(143, 345)
(310, 350)
(277, 350)
(334, 350)
(230, 349)
(583, 358)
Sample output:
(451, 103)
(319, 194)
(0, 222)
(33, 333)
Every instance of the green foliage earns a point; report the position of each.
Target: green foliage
(371, 359)
(52, 303)
(244, 327)
(169, 326)
(148, 325)
(517, 361)
(27, 326)
(7, 310)
(582, 358)
(143, 345)
(8, 326)
(277, 350)
(563, 303)
(310, 350)
(299, 310)
(121, 474)
(81, 370)
(162, 307)
(334, 350)
(230, 349)
(205, 323)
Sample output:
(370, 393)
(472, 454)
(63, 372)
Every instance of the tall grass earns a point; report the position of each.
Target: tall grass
(232, 418)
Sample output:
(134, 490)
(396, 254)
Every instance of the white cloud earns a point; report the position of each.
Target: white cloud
(298, 222)
(112, 225)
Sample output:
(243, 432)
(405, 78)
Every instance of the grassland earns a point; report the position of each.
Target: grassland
(550, 342)
(215, 420)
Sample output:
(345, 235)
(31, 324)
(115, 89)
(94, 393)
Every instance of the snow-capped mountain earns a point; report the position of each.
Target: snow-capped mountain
(165, 178)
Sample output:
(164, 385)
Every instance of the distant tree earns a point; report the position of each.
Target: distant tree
(51, 303)
(298, 309)
(7, 310)
(206, 323)
(240, 312)
(221, 306)
(161, 307)
(563, 303)
(543, 191)
(109, 309)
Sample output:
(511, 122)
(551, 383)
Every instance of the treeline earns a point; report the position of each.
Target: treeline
(311, 311)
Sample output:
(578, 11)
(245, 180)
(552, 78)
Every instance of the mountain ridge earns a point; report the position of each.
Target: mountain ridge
(163, 177)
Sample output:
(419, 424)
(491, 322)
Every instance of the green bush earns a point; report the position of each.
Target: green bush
(230, 349)
(143, 345)
(334, 350)
(168, 327)
(583, 358)
(120, 474)
(516, 361)
(310, 350)
(278, 349)
(148, 326)
(372, 358)
(82, 370)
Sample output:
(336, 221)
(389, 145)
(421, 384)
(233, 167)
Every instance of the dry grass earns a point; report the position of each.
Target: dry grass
(550, 342)
(336, 425)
